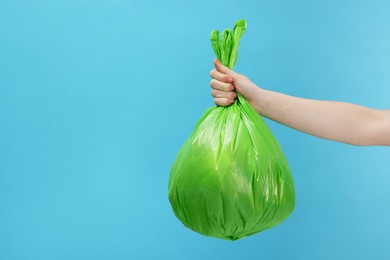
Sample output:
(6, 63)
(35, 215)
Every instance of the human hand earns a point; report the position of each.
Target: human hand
(225, 82)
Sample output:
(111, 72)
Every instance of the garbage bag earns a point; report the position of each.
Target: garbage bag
(230, 178)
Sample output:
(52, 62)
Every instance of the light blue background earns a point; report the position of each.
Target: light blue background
(96, 98)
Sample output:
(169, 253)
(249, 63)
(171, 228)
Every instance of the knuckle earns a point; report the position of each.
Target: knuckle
(212, 73)
(212, 83)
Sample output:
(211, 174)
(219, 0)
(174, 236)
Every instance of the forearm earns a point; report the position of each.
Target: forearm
(338, 121)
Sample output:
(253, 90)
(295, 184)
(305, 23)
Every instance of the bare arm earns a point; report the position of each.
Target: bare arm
(337, 121)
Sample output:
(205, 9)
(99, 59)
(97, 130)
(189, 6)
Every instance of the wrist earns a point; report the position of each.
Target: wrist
(259, 100)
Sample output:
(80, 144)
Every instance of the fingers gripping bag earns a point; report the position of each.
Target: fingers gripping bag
(230, 178)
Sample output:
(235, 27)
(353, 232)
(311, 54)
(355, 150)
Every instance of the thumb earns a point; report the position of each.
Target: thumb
(223, 69)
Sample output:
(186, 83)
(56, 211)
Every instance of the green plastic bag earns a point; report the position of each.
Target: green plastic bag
(230, 179)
